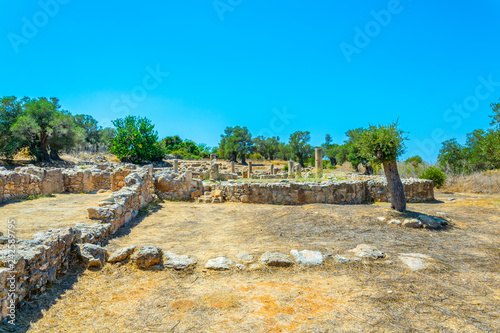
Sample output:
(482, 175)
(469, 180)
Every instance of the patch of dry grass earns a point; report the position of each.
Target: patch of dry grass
(44, 213)
(483, 182)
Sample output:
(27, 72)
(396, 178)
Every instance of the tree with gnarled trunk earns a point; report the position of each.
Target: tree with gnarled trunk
(382, 145)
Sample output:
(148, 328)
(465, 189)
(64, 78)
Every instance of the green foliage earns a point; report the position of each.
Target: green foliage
(235, 143)
(435, 174)
(415, 160)
(136, 140)
(268, 148)
(285, 167)
(301, 150)
(10, 110)
(185, 149)
(379, 144)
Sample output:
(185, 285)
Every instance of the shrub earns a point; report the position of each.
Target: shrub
(285, 167)
(434, 174)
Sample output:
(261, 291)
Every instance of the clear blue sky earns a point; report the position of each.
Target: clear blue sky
(273, 66)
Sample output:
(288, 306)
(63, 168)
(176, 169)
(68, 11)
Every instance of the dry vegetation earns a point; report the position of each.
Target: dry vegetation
(459, 292)
(483, 182)
(56, 211)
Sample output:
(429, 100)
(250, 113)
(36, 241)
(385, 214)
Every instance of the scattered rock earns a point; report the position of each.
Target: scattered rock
(101, 191)
(241, 267)
(367, 251)
(415, 261)
(412, 223)
(452, 199)
(381, 219)
(178, 262)
(219, 264)
(148, 256)
(121, 254)
(395, 222)
(196, 194)
(92, 255)
(308, 258)
(429, 222)
(245, 256)
(255, 267)
(276, 259)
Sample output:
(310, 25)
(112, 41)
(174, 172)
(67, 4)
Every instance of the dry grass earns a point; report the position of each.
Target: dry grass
(57, 211)
(459, 292)
(483, 182)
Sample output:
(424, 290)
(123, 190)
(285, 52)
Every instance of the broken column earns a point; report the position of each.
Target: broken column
(214, 171)
(249, 169)
(176, 165)
(271, 169)
(319, 162)
(213, 158)
(298, 170)
(233, 170)
(290, 169)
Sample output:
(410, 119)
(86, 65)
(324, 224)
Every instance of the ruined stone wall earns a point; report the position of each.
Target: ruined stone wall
(177, 186)
(14, 185)
(49, 254)
(336, 192)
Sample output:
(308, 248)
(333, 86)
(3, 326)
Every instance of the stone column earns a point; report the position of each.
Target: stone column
(233, 170)
(290, 169)
(299, 170)
(249, 169)
(214, 171)
(176, 165)
(276, 170)
(271, 169)
(319, 162)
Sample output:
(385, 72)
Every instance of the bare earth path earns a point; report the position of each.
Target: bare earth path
(41, 214)
(458, 292)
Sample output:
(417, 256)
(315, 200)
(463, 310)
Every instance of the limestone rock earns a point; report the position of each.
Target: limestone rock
(219, 264)
(415, 261)
(92, 255)
(367, 251)
(429, 222)
(308, 258)
(196, 194)
(178, 262)
(412, 223)
(121, 254)
(276, 259)
(394, 222)
(241, 267)
(148, 256)
(244, 256)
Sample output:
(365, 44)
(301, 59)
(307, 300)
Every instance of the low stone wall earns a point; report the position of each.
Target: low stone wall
(171, 185)
(14, 185)
(38, 261)
(337, 192)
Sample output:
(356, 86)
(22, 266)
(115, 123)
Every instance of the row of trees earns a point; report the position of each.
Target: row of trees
(41, 127)
(480, 152)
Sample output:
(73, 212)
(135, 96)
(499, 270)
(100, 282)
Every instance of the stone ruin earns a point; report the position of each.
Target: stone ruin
(47, 255)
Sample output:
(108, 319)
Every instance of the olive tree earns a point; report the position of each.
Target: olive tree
(382, 145)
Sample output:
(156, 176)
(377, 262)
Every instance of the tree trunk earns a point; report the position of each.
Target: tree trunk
(243, 160)
(233, 157)
(333, 161)
(368, 169)
(54, 155)
(43, 154)
(398, 199)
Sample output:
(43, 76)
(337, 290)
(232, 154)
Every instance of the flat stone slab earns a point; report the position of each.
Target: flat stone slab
(178, 262)
(308, 258)
(367, 251)
(276, 259)
(414, 261)
(245, 256)
(121, 254)
(219, 264)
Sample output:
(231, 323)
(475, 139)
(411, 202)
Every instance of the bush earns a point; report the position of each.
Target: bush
(434, 174)
(285, 167)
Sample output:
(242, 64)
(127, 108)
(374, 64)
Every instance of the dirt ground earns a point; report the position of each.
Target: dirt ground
(60, 210)
(458, 292)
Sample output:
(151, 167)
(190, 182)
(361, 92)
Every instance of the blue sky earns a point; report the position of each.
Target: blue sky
(195, 67)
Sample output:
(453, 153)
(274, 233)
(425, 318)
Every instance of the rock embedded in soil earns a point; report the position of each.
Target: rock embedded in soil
(92, 255)
(367, 251)
(394, 222)
(308, 258)
(412, 223)
(276, 259)
(414, 261)
(219, 264)
(121, 254)
(244, 256)
(429, 222)
(147, 257)
(178, 262)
